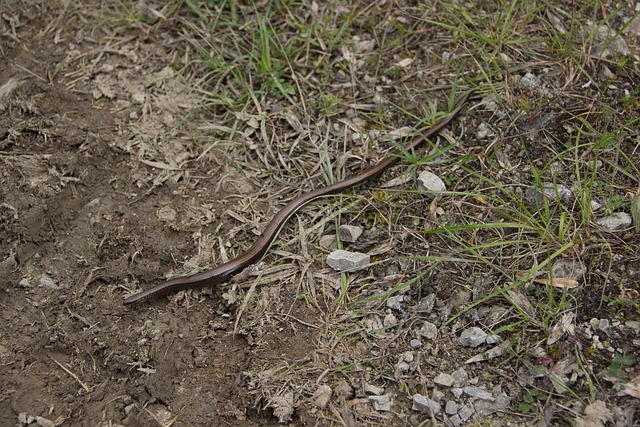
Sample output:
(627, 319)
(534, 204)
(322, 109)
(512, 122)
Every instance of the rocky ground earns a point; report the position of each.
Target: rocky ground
(127, 155)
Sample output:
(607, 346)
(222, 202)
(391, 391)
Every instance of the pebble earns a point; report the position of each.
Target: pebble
(349, 233)
(466, 412)
(381, 403)
(633, 324)
(341, 260)
(484, 132)
(529, 81)
(460, 377)
(390, 321)
(485, 408)
(472, 337)
(327, 241)
(557, 192)
(428, 330)
(45, 281)
(322, 396)
(425, 405)
(615, 221)
(455, 420)
(429, 183)
(569, 269)
(443, 379)
(451, 407)
(479, 393)
(395, 302)
(373, 390)
(415, 344)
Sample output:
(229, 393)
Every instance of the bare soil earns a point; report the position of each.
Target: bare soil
(107, 185)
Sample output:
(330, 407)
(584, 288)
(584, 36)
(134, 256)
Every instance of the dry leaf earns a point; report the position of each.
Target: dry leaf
(558, 282)
(405, 62)
(566, 324)
(595, 415)
(632, 388)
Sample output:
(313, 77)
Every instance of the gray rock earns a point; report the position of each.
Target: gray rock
(601, 325)
(349, 233)
(395, 302)
(455, 420)
(425, 405)
(45, 281)
(633, 324)
(558, 192)
(615, 221)
(428, 330)
(426, 304)
(430, 183)
(485, 408)
(479, 393)
(390, 321)
(444, 380)
(607, 43)
(466, 412)
(451, 407)
(327, 241)
(569, 269)
(529, 82)
(472, 337)
(381, 403)
(403, 367)
(484, 131)
(373, 390)
(342, 260)
(457, 392)
(460, 377)
(322, 396)
(415, 344)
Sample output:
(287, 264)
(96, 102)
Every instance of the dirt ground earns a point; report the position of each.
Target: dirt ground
(109, 183)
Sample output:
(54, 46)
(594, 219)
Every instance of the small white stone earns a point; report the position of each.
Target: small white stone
(616, 221)
(431, 184)
(342, 260)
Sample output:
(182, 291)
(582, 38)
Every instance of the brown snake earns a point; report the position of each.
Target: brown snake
(226, 271)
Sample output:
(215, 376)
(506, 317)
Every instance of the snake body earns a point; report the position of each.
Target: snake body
(226, 271)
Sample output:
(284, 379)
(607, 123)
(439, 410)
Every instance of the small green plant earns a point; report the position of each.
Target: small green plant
(532, 401)
(618, 366)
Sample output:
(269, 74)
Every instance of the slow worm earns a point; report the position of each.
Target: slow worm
(226, 271)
